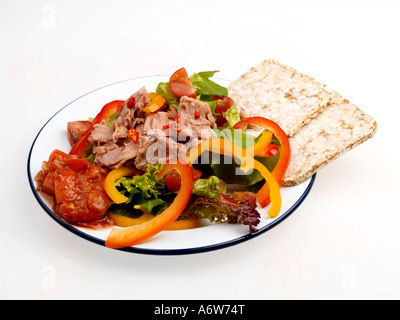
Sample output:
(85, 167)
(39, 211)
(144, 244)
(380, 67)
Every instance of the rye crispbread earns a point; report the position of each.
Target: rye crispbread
(321, 125)
(275, 91)
(338, 129)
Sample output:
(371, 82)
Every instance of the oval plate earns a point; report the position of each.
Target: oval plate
(207, 237)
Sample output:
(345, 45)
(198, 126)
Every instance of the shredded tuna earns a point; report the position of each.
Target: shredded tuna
(101, 133)
(195, 119)
(163, 135)
(156, 149)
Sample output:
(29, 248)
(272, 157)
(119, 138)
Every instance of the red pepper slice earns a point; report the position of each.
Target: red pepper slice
(284, 157)
(82, 146)
(129, 236)
(270, 151)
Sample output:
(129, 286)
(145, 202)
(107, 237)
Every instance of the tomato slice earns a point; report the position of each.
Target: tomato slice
(173, 180)
(76, 129)
(237, 198)
(222, 107)
(181, 85)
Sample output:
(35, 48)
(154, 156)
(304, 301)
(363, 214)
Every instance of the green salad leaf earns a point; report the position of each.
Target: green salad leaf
(147, 183)
(111, 120)
(232, 116)
(209, 187)
(171, 99)
(153, 205)
(206, 88)
(144, 192)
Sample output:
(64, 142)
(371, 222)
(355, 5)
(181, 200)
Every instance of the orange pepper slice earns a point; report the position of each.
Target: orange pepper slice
(274, 191)
(248, 162)
(284, 157)
(129, 236)
(262, 143)
(156, 102)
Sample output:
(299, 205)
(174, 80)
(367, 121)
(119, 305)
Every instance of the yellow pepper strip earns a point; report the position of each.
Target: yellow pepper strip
(156, 102)
(113, 176)
(189, 223)
(226, 147)
(217, 145)
(262, 143)
(122, 221)
(274, 194)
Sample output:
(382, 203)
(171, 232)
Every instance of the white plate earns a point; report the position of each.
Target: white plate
(205, 238)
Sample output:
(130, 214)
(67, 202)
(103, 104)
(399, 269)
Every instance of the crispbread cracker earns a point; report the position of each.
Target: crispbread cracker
(339, 128)
(275, 91)
(321, 124)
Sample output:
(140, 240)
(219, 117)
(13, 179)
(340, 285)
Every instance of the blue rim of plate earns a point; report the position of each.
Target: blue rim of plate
(183, 251)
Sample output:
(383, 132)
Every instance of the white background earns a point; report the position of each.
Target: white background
(342, 243)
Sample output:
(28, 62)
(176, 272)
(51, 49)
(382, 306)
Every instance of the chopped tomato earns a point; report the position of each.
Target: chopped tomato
(222, 107)
(173, 179)
(237, 198)
(77, 187)
(227, 199)
(76, 129)
(78, 165)
(181, 85)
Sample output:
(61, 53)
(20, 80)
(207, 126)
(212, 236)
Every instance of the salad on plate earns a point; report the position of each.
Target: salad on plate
(167, 160)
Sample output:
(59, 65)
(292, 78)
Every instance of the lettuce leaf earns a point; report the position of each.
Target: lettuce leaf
(232, 116)
(206, 88)
(144, 192)
(208, 187)
(171, 99)
(153, 205)
(147, 185)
